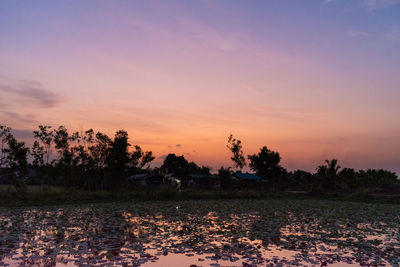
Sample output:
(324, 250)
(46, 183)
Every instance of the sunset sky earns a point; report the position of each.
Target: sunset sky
(313, 80)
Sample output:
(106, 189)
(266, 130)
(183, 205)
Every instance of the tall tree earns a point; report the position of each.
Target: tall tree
(4, 133)
(225, 177)
(61, 142)
(45, 135)
(16, 154)
(179, 166)
(147, 158)
(37, 153)
(328, 176)
(265, 163)
(118, 157)
(100, 149)
(331, 168)
(235, 146)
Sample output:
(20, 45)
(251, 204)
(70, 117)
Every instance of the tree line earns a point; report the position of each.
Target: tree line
(88, 159)
(94, 161)
(328, 178)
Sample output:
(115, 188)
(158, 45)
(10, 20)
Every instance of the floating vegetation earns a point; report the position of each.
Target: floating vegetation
(202, 233)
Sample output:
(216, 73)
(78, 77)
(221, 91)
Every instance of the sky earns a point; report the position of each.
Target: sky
(313, 80)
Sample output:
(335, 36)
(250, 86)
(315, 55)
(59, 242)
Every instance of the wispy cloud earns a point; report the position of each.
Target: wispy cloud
(354, 33)
(28, 92)
(392, 34)
(195, 32)
(372, 5)
(13, 116)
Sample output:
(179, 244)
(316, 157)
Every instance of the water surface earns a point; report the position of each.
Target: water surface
(202, 233)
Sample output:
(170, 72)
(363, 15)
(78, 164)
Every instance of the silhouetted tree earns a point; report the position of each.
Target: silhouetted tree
(327, 175)
(4, 133)
(301, 180)
(377, 178)
(330, 169)
(225, 177)
(61, 141)
(235, 146)
(266, 165)
(41, 152)
(81, 154)
(204, 170)
(139, 159)
(118, 157)
(349, 179)
(265, 162)
(95, 161)
(177, 165)
(100, 150)
(37, 153)
(16, 158)
(16, 154)
(147, 158)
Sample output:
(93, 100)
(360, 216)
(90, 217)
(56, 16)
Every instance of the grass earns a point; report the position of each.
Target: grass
(37, 195)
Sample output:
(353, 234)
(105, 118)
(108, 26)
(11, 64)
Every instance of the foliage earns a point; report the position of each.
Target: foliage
(225, 176)
(15, 154)
(93, 161)
(4, 133)
(301, 180)
(41, 151)
(266, 165)
(235, 146)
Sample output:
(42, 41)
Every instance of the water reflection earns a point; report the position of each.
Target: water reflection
(202, 233)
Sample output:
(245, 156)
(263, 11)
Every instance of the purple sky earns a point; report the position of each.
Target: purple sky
(311, 79)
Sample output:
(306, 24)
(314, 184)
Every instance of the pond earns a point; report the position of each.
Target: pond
(202, 233)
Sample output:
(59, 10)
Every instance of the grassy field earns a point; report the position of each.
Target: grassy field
(51, 195)
(36, 195)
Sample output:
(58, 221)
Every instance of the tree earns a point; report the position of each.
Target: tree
(16, 154)
(177, 165)
(377, 178)
(81, 154)
(266, 165)
(139, 159)
(301, 180)
(100, 150)
(45, 135)
(225, 176)
(349, 179)
(331, 169)
(16, 158)
(147, 157)
(327, 175)
(119, 157)
(37, 153)
(235, 146)
(4, 133)
(204, 170)
(61, 141)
